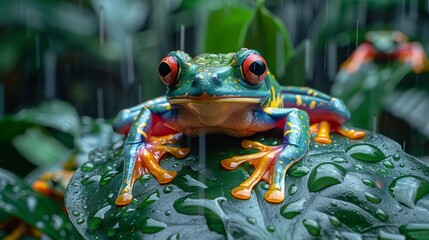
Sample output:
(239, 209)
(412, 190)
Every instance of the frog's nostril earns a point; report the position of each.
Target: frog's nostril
(215, 78)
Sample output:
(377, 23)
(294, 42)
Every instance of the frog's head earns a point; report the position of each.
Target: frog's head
(386, 41)
(215, 78)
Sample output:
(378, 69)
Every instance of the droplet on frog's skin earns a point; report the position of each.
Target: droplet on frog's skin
(372, 198)
(167, 189)
(408, 189)
(390, 236)
(396, 157)
(388, 164)
(339, 160)
(366, 153)
(381, 215)
(292, 189)
(150, 225)
(368, 182)
(293, 209)
(87, 167)
(251, 220)
(312, 227)
(415, 230)
(325, 175)
(298, 170)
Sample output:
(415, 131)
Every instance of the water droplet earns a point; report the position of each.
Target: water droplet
(111, 232)
(388, 164)
(292, 189)
(382, 235)
(368, 182)
(87, 167)
(418, 231)
(94, 222)
(351, 236)
(312, 227)
(381, 215)
(150, 225)
(265, 186)
(80, 221)
(298, 170)
(396, 157)
(150, 199)
(293, 209)
(105, 179)
(168, 212)
(145, 178)
(88, 180)
(251, 220)
(167, 189)
(358, 166)
(339, 160)
(408, 189)
(174, 237)
(382, 171)
(372, 198)
(335, 221)
(134, 200)
(325, 175)
(310, 160)
(127, 212)
(402, 165)
(75, 213)
(366, 153)
(271, 228)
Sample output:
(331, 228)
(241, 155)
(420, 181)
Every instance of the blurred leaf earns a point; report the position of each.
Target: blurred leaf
(332, 191)
(39, 148)
(365, 91)
(296, 67)
(224, 29)
(267, 34)
(19, 200)
(55, 114)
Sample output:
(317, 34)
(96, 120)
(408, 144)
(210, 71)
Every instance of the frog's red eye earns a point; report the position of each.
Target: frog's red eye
(168, 70)
(254, 69)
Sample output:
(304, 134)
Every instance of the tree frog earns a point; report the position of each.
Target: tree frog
(384, 46)
(233, 94)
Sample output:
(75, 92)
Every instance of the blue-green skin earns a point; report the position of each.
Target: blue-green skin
(219, 76)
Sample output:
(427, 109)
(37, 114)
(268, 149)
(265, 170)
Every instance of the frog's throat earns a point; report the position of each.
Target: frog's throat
(209, 100)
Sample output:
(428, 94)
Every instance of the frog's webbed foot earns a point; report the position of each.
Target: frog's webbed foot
(324, 128)
(147, 157)
(271, 164)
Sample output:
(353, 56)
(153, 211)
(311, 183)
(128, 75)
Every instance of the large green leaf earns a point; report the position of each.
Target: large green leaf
(297, 66)
(19, 200)
(357, 189)
(226, 25)
(267, 34)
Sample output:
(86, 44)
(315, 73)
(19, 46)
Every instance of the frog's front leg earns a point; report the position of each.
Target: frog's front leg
(327, 114)
(272, 162)
(142, 151)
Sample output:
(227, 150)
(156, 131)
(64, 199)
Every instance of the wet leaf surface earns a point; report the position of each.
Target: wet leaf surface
(333, 191)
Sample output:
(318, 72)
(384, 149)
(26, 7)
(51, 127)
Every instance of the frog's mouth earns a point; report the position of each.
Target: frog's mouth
(206, 99)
